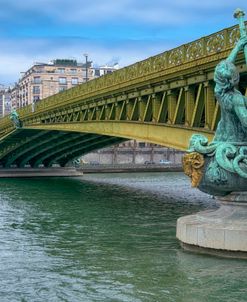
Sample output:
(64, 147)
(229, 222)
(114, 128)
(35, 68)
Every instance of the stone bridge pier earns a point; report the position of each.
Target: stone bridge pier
(221, 232)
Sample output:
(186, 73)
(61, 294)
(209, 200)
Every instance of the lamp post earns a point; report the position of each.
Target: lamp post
(86, 56)
(2, 97)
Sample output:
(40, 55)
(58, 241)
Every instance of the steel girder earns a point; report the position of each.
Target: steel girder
(163, 100)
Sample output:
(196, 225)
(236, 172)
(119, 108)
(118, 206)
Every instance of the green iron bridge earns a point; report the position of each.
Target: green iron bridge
(163, 100)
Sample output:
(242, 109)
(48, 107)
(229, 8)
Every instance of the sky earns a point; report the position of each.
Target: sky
(109, 31)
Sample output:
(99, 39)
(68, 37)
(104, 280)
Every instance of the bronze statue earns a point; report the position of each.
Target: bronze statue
(224, 162)
(14, 116)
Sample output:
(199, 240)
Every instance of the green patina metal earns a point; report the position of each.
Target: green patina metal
(14, 116)
(225, 168)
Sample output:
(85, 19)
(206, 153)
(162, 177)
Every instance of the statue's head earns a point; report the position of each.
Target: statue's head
(226, 75)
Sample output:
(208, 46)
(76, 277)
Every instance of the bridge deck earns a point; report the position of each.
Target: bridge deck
(163, 100)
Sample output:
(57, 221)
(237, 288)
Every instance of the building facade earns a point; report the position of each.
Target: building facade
(5, 101)
(43, 80)
(134, 152)
(103, 70)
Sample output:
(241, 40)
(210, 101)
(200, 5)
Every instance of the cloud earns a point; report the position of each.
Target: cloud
(130, 30)
(18, 57)
(102, 12)
(11, 66)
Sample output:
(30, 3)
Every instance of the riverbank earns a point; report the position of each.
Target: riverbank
(39, 172)
(129, 168)
(85, 169)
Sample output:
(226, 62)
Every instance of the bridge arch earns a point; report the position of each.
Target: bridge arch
(171, 136)
(62, 142)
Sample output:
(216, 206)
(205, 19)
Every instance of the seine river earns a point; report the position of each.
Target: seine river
(107, 238)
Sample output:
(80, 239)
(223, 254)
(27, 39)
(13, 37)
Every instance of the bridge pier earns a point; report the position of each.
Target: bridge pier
(221, 232)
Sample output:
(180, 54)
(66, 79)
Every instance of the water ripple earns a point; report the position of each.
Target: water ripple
(107, 238)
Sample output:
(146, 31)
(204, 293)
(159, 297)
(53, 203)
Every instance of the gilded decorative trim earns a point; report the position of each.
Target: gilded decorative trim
(193, 165)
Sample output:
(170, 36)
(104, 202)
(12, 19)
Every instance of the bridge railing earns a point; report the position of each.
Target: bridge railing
(163, 63)
(185, 56)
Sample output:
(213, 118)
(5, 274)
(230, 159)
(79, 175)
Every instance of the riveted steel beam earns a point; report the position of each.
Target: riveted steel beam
(162, 134)
(45, 157)
(80, 149)
(45, 145)
(29, 146)
(164, 100)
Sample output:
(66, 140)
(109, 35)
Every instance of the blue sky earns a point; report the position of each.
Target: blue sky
(109, 31)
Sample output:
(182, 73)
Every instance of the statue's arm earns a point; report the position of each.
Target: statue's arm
(241, 109)
(239, 46)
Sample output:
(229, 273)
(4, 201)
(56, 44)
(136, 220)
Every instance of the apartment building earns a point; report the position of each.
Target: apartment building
(103, 70)
(43, 80)
(5, 101)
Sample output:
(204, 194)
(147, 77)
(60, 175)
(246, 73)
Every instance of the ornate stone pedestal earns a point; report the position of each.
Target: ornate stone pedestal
(220, 232)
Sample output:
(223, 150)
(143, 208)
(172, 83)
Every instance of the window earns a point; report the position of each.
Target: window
(62, 88)
(97, 72)
(61, 70)
(39, 69)
(36, 98)
(36, 90)
(36, 80)
(74, 81)
(142, 145)
(73, 70)
(62, 80)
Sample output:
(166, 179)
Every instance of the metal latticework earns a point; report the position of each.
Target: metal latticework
(163, 100)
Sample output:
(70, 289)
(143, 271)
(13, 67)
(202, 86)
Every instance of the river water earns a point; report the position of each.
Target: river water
(107, 237)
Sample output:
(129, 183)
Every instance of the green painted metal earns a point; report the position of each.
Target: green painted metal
(14, 116)
(11, 157)
(45, 144)
(95, 143)
(172, 91)
(102, 144)
(17, 141)
(61, 147)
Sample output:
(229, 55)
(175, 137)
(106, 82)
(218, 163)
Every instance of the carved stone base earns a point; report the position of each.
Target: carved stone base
(221, 232)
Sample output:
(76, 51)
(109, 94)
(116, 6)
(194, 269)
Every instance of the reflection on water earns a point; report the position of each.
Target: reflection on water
(108, 237)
